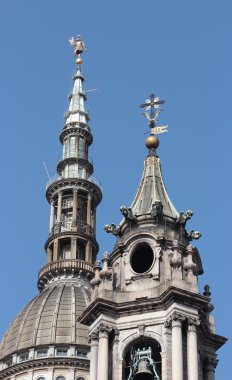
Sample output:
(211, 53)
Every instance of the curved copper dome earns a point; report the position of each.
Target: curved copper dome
(49, 318)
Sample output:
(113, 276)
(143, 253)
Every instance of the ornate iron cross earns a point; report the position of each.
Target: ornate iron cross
(150, 105)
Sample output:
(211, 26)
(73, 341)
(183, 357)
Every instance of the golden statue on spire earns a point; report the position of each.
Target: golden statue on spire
(79, 48)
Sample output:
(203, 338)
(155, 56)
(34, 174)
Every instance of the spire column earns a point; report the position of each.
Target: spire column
(103, 352)
(74, 213)
(49, 255)
(52, 213)
(94, 340)
(192, 352)
(89, 202)
(177, 347)
(59, 207)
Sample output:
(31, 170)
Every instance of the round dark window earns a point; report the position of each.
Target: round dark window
(142, 258)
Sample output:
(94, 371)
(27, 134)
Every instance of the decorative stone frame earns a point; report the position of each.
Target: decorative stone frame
(154, 243)
(135, 337)
(133, 248)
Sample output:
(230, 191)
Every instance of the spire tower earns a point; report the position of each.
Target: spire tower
(73, 193)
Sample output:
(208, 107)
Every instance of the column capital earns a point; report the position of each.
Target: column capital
(174, 320)
(94, 336)
(104, 330)
(193, 323)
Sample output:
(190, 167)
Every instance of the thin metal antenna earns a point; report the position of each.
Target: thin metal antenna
(45, 167)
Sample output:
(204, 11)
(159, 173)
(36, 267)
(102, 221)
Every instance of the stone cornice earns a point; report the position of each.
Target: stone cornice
(163, 302)
(84, 184)
(77, 129)
(41, 363)
(81, 160)
(145, 305)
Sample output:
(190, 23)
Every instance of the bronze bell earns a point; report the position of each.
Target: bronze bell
(143, 371)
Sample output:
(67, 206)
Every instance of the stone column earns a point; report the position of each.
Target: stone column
(166, 350)
(89, 202)
(73, 248)
(88, 252)
(192, 351)
(52, 211)
(55, 249)
(94, 338)
(103, 352)
(177, 347)
(59, 207)
(211, 363)
(116, 372)
(74, 213)
(164, 365)
(94, 220)
(49, 255)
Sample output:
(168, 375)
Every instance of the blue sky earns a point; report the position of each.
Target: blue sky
(179, 49)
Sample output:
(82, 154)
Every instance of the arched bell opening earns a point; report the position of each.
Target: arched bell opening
(142, 360)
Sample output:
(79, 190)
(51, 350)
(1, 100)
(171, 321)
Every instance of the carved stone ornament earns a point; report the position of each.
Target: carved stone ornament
(184, 217)
(128, 213)
(193, 321)
(176, 259)
(175, 317)
(93, 336)
(189, 265)
(103, 328)
(193, 235)
(96, 280)
(158, 254)
(105, 273)
(112, 229)
(157, 209)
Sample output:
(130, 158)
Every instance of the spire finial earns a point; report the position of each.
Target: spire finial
(153, 105)
(79, 47)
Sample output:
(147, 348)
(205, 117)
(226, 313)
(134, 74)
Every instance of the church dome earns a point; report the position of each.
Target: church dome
(49, 319)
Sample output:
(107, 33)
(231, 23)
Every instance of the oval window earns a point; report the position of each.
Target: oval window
(142, 258)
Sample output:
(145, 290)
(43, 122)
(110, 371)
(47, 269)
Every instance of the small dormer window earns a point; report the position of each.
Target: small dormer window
(42, 353)
(23, 357)
(82, 353)
(9, 362)
(62, 352)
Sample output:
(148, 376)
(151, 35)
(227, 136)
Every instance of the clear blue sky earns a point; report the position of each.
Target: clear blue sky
(179, 49)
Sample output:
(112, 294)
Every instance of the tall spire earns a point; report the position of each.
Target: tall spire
(73, 193)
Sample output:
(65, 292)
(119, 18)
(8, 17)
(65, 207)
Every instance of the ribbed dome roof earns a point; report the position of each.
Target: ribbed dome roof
(50, 318)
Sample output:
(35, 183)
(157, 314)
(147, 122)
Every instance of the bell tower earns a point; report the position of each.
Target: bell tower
(147, 318)
(74, 193)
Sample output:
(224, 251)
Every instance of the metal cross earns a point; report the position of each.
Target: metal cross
(150, 105)
(153, 104)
